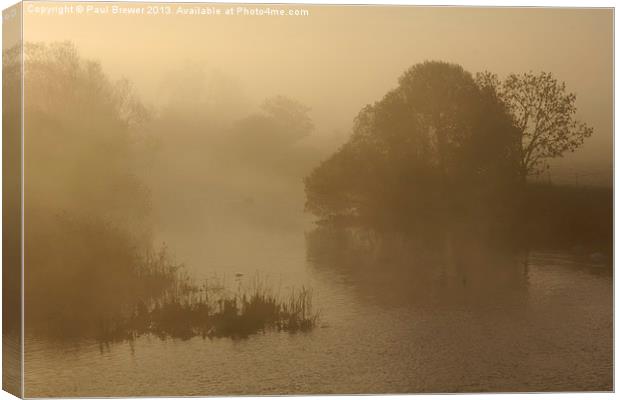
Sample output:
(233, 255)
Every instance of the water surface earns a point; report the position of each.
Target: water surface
(552, 333)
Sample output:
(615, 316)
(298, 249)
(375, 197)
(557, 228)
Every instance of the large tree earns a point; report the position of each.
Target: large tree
(544, 113)
(436, 141)
(86, 213)
(80, 135)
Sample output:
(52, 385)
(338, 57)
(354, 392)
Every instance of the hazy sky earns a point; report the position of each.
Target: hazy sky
(340, 58)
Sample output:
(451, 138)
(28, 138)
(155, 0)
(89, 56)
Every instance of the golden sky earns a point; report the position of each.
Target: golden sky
(339, 58)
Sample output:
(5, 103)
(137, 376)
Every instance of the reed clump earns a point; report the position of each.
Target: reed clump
(212, 310)
(89, 278)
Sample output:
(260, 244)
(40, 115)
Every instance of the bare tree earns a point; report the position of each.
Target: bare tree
(543, 112)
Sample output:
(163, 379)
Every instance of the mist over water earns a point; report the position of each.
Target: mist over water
(379, 201)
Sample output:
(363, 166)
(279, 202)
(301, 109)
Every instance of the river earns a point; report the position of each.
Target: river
(554, 333)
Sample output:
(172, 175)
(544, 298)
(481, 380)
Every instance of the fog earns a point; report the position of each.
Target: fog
(212, 156)
(371, 180)
(340, 58)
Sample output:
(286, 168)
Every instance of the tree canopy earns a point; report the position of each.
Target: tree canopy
(436, 135)
(80, 130)
(87, 214)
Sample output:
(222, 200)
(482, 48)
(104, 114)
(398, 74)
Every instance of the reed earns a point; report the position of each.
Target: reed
(210, 310)
(90, 278)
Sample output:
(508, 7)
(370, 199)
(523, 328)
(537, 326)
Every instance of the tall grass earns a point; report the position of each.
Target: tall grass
(211, 310)
(88, 278)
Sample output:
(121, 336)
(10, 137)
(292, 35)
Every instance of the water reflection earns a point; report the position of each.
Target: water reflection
(398, 315)
(397, 269)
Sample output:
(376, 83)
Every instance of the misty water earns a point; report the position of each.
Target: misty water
(552, 331)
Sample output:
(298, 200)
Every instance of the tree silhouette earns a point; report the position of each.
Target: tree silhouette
(436, 135)
(269, 139)
(543, 112)
(81, 129)
(87, 213)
